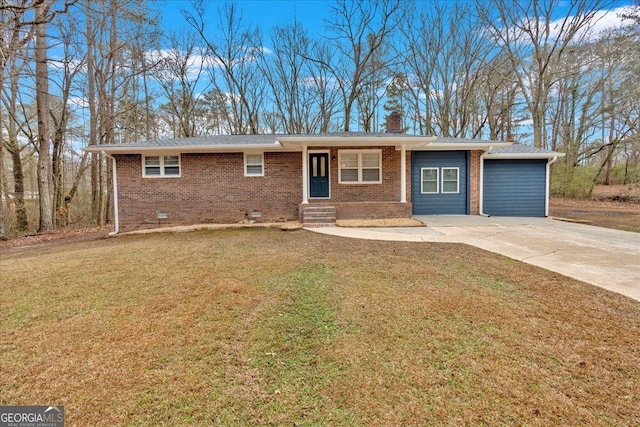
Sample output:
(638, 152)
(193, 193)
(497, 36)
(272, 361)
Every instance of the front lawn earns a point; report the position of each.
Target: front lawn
(264, 327)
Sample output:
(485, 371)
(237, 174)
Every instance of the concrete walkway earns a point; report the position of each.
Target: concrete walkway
(602, 257)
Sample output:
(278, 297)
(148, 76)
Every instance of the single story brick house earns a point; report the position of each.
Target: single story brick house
(318, 178)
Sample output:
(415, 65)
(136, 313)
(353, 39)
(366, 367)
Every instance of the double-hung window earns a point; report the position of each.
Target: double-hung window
(430, 183)
(161, 166)
(360, 166)
(254, 164)
(450, 180)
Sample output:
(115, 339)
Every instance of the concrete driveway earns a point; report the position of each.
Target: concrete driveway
(602, 257)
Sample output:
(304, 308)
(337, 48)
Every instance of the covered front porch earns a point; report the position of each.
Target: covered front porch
(354, 176)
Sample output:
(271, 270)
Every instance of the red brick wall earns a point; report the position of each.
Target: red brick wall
(474, 188)
(212, 189)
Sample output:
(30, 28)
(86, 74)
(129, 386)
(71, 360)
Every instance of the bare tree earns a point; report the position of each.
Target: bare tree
(302, 96)
(235, 52)
(14, 44)
(498, 94)
(67, 68)
(446, 69)
(179, 74)
(536, 43)
(358, 31)
(3, 193)
(108, 75)
(378, 72)
(284, 70)
(45, 180)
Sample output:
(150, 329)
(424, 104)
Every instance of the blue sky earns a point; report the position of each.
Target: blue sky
(265, 14)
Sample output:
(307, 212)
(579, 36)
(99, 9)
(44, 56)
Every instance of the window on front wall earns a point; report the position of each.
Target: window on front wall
(161, 166)
(450, 180)
(254, 164)
(430, 181)
(360, 166)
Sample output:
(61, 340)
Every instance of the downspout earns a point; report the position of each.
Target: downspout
(403, 173)
(116, 217)
(548, 189)
(481, 179)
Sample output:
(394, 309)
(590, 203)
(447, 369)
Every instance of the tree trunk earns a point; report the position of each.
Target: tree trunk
(13, 147)
(57, 167)
(93, 117)
(42, 100)
(22, 222)
(76, 180)
(2, 183)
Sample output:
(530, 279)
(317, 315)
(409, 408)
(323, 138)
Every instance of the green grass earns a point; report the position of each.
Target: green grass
(263, 327)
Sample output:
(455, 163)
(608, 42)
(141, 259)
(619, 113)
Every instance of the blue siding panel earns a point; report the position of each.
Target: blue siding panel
(439, 204)
(514, 187)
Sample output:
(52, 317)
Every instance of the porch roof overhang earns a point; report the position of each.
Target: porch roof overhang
(377, 140)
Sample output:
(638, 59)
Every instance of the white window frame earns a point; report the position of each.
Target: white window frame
(246, 164)
(360, 168)
(422, 191)
(161, 157)
(457, 180)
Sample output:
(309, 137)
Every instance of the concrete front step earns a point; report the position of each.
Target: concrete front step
(318, 225)
(316, 214)
(319, 216)
(324, 219)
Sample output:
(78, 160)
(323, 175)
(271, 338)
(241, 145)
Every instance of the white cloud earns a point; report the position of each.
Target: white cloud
(79, 102)
(603, 20)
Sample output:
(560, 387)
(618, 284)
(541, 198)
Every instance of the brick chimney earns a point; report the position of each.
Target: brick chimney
(394, 122)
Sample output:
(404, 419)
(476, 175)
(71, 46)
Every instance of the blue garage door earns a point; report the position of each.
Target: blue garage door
(439, 182)
(515, 187)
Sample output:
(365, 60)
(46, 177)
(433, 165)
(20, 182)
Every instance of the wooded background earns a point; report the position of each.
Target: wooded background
(84, 72)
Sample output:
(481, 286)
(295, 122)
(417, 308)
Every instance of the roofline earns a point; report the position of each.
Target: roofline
(531, 156)
(295, 143)
(118, 149)
(463, 146)
(354, 141)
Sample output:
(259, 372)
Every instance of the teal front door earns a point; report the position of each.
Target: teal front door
(319, 175)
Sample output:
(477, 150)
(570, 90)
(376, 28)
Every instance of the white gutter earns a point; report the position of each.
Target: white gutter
(116, 217)
(463, 146)
(481, 179)
(548, 190)
(355, 141)
(524, 156)
(237, 148)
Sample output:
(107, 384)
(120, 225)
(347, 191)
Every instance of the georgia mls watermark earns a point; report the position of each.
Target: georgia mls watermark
(31, 416)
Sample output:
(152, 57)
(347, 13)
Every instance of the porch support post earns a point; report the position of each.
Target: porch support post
(305, 176)
(403, 173)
